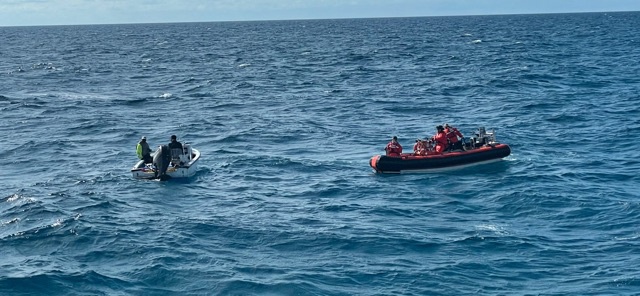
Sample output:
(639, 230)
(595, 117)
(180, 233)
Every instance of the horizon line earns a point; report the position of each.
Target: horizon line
(315, 19)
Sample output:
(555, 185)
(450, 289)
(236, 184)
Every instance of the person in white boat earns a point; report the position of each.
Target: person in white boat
(143, 151)
(174, 144)
(176, 150)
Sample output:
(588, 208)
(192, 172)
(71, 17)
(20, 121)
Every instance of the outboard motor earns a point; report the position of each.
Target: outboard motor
(161, 160)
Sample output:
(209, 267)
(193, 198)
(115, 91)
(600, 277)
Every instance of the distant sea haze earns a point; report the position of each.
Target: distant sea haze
(287, 115)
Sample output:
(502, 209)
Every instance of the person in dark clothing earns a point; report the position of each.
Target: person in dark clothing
(176, 151)
(174, 144)
(143, 151)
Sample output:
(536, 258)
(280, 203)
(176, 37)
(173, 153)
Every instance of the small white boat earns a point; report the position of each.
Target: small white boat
(168, 163)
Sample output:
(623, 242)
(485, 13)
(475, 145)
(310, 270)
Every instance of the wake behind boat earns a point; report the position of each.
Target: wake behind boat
(168, 163)
(480, 149)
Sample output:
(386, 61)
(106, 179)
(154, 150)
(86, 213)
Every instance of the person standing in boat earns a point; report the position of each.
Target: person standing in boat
(440, 139)
(393, 148)
(176, 150)
(143, 151)
(452, 135)
(174, 144)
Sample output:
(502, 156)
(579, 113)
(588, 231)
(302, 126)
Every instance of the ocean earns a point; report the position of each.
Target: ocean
(287, 115)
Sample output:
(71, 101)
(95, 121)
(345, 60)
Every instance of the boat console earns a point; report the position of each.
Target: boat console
(482, 137)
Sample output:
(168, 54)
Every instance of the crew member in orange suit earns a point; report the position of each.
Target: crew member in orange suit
(441, 139)
(452, 135)
(393, 148)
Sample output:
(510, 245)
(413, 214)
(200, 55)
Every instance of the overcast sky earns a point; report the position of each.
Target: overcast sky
(68, 12)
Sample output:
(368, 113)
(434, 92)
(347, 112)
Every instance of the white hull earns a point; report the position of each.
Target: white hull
(142, 171)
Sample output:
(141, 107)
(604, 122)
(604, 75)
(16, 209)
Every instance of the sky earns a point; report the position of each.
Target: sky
(73, 12)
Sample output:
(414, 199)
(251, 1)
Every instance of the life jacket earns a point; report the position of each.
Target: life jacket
(419, 148)
(440, 138)
(393, 149)
(452, 134)
(139, 150)
(441, 141)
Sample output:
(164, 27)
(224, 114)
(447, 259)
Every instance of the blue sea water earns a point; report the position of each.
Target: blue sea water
(286, 115)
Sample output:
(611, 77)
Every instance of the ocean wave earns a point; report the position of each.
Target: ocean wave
(287, 115)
